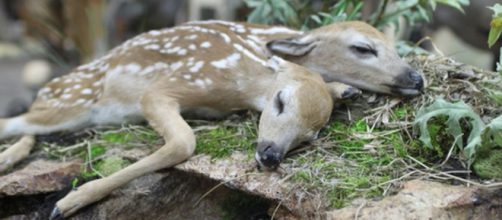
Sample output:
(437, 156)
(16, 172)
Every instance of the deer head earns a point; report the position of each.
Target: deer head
(297, 108)
(353, 53)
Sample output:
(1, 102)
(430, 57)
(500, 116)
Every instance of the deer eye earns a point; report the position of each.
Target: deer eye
(279, 104)
(364, 50)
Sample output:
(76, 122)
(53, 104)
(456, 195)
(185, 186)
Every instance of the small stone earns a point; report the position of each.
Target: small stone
(41, 176)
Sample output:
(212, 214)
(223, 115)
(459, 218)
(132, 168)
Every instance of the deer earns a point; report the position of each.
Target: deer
(210, 69)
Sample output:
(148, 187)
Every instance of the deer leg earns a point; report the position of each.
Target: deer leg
(164, 116)
(33, 123)
(17, 152)
(341, 91)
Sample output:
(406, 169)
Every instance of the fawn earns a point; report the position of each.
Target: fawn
(210, 69)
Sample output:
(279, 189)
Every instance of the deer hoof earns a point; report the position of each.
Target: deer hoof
(351, 93)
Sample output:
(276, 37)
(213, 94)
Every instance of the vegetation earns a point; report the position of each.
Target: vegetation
(451, 129)
(221, 139)
(305, 15)
(366, 155)
(496, 30)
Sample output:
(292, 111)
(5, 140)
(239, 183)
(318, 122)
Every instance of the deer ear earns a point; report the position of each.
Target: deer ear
(297, 46)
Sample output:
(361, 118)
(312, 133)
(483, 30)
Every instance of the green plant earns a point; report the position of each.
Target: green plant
(496, 25)
(273, 12)
(481, 136)
(496, 30)
(303, 14)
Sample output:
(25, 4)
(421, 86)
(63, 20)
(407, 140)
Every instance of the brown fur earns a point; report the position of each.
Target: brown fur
(210, 68)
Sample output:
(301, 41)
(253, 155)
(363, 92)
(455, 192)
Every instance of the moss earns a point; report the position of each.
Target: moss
(110, 165)
(360, 163)
(223, 140)
(489, 167)
(97, 150)
(401, 113)
(129, 137)
(120, 137)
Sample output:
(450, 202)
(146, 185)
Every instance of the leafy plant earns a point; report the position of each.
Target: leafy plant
(496, 24)
(496, 30)
(306, 15)
(272, 12)
(481, 135)
(344, 10)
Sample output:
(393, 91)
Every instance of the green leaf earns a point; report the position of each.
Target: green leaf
(423, 13)
(316, 19)
(74, 183)
(495, 31)
(495, 24)
(253, 3)
(497, 10)
(455, 112)
(457, 4)
(492, 135)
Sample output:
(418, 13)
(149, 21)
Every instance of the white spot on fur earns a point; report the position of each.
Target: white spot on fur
(86, 91)
(115, 71)
(182, 52)
(274, 30)
(200, 83)
(249, 54)
(173, 50)
(97, 83)
(205, 44)
(255, 38)
(227, 62)
(80, 101)
(208, 81)
(225, 37)
(66, 96)
(104, 68)
(238, 28)
(187, 76)
(132, 68)
(198, 65)
(192, 47)
(175, 66)
(255, 46)
(191, 37)
(152, 68)
(78, 86)
(155, 33)
(152, 47)
(45, 90)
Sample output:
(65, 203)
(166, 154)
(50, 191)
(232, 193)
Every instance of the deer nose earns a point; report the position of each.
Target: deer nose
(417, 79)
(268, 155)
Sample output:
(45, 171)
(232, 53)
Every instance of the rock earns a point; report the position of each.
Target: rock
(172, 194)
(166, 194)
(239, 172)
(39, 177)
(428, 200)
